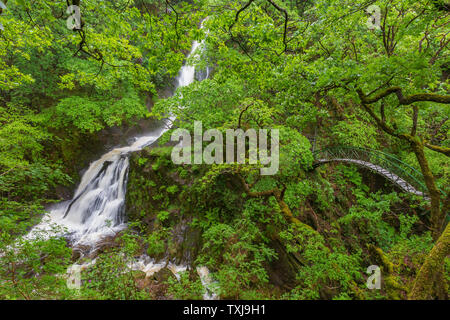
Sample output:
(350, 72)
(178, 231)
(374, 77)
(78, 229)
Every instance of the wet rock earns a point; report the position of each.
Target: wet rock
(283, 270)
(163, 275)
(63, 193)
(76, 254)
(138, 274)
(186, 243)
(80, 251)
(158, 291)
(143, 284)
(105, 244)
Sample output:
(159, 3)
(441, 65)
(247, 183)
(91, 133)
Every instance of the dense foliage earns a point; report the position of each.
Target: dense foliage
(315, 70)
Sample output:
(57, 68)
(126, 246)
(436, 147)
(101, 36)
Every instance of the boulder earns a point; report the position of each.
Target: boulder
(163, 275)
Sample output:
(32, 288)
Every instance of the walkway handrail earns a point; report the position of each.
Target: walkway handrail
(383, 163)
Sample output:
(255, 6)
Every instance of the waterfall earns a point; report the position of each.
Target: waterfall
(97, 209)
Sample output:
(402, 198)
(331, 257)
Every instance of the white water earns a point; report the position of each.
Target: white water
(150, 267)
(208, 283)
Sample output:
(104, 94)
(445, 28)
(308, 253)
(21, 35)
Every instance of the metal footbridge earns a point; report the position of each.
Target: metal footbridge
(399, 173)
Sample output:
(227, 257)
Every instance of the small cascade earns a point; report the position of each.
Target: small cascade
(207, 282)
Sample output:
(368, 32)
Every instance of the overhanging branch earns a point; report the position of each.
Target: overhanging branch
(277, 7)
(440, 149)
(403, 100)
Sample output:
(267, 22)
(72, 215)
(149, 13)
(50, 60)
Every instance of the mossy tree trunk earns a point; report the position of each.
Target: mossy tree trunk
(429, 276)
(437, 215)
(285, 210)
(417, 144)
(429, 281)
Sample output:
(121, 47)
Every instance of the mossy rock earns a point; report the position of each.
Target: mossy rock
(163, 275)
(138, 274)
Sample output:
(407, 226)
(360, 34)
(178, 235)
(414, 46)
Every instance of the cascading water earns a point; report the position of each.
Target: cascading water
(97, 209)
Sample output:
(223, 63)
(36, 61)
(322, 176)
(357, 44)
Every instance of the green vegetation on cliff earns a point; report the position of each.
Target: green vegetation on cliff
(325, 73)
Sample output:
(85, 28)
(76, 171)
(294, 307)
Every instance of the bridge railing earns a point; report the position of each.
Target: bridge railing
(394, 167)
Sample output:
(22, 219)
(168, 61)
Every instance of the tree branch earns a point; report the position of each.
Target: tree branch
(431, 97)
(286, 19)
(440, 149)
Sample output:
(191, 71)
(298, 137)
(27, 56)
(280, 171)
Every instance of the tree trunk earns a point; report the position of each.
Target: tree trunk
(430, 274)
(437, 217)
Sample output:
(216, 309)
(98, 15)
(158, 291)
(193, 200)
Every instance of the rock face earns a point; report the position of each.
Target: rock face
(156, 198)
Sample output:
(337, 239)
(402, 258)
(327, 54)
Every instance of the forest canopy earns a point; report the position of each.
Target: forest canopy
(363, 80)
